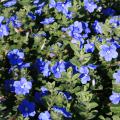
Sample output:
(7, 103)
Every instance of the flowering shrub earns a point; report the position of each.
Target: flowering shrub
(59, 60)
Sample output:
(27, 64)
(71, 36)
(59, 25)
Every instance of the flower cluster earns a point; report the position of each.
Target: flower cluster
(57, 57)
(90, 5)
(78, 31)
(62, 7)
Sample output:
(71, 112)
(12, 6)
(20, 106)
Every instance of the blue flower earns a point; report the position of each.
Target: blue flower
(32, 16)
(47, 21)
(46, 69)
(62, 111)
(108, 52)
(39, 95)
(69, 64)
(58, 68)
(89, 48)
(22, 87)
(39, 8)
(84, 70)
(85, 27)
(10, 3)
(9, 85)
(97, 28)
(4, 30)
(36, 2)
(115, 98)
(109, 11)
(92, 66)
(52, 4)
(90, 6)
(117, 76)
(1, 19)
(27, 108)
(44, 116)
(113, 42)
(115, 21)
(21, 66)
(62, 7)
(78, 31)
(75, 30)
(15, 22)
(66, 95)
(15, 57)
(39, 64)
(24, 65)
(84, 76)
(43, 67)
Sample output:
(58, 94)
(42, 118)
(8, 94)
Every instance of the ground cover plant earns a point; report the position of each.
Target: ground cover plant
(59, 60)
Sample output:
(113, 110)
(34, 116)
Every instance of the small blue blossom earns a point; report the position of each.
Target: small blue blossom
(32, 16)
(1, 19)
(15, 57)
(78, 31)
(84, 70)
(24, 65)
(89, 5)
(36, 2)
(75, 30)
(115, 98)
(21, 66)
(62, 7)
(58, 68)
(46, 69)
(117, 76)
(9, 85)
(44, 116)
(39, 64)
(89, 48)
(47, 21)
(62, 111)
(97, 28)
(4, 30)
(51, 55)
(92, 66)
(66, 95)
(10, 3)
(15, 22)
(43, 67)
(115, 21)
(74, 68)
(84, 76)
(39, 95)
(44, 89)
(52, 4)
(27, 108)
(108, 11)
(39, 8)
(113, 42)
(64, 29)
(108, 52)
(85, 27)
(22, 87)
